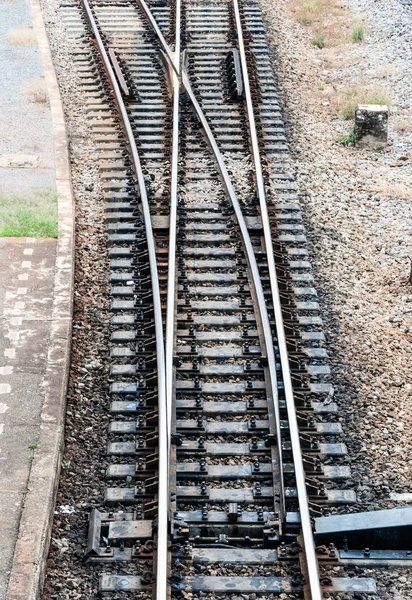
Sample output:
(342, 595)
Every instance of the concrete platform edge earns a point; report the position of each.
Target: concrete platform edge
(29, 562)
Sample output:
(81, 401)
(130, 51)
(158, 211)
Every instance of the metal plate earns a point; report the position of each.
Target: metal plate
(346, 585)
(222, 471)
(241, 495)
(376, 556)
(390, 529)
(243, 556)
(130, 530)
(240, 585)
(217, 516)
(126, 583)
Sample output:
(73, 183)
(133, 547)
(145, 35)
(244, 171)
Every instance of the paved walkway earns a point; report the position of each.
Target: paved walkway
(26, 301)
(27, 305)
(26, 136)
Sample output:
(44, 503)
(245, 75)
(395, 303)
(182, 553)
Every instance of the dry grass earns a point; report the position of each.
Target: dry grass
(396, 190)
(21, 36)
(33, 147)
(37, 93)
(347, 100)
(329, 20)
(401, 124)
(386, 71)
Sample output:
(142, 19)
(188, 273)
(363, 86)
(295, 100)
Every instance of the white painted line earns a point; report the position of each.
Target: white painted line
(3, 408)
(19, 305)
(16, 321)
(1, 428)
(5, 388)
(28, 251)
(23, 276)
(21, 291)
(26, 264)
(31, 240)
(13, 335)
(8, 370)
(10, 353)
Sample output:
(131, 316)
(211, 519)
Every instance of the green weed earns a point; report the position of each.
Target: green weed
(358, 34)
(348, 101)
(318, 41)
(312, 7)
(347, 140)
(29, 217)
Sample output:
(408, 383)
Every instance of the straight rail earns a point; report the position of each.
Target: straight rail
(307, 534)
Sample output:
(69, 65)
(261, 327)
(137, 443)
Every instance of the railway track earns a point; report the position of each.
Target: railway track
(224, 441)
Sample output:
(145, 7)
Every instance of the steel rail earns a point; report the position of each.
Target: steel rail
(162, 586)
(163, 479)
(250, 254)
(254, 270)
(307, 534)
(171, 281)
(171, 56)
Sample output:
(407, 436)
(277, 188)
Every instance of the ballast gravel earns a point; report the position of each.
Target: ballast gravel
(358, 216)
(83, 466)
(359, 226)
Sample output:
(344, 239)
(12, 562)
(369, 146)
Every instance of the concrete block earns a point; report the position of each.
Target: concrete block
(371, 126)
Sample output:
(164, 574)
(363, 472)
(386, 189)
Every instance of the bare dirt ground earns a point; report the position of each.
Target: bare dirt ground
(359, 221)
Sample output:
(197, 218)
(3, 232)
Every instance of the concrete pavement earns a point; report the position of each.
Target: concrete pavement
(26, 302)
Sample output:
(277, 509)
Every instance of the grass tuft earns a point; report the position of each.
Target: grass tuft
(328, 19)
(395, 190)
(347, 140)
(37, 93)
(401, 125)
(347, 101)
(33, 217)
(358, 34)
(21, 36)
(312, 7)
(318, 41)
(305, 21)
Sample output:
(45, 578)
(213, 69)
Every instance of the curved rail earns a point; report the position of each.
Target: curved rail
(163, 478)
(307, 534)
(254, 270)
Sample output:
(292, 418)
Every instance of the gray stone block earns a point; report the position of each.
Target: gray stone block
(371, 126)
